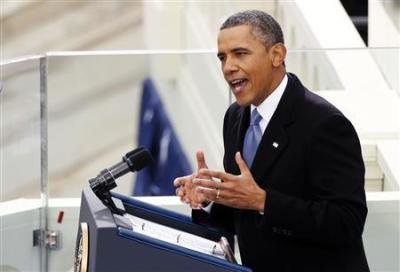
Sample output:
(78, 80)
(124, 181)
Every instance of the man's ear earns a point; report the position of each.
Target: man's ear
(278, 54)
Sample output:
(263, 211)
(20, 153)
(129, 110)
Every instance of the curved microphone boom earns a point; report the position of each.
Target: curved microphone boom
(133, 161)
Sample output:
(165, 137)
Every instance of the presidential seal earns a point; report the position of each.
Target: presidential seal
(82, 249)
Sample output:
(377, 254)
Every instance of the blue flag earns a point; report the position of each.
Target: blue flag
(157, 135)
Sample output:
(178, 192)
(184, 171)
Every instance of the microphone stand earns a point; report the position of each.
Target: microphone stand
(101, 186)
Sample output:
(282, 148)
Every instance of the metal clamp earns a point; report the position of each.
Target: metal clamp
(48, 238)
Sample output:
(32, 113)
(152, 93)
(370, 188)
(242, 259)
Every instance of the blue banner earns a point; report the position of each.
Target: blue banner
(157, 135)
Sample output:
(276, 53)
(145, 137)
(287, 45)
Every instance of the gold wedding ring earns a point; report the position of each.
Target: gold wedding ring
(217, 194)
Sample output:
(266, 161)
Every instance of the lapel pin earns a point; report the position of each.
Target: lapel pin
(275, 144)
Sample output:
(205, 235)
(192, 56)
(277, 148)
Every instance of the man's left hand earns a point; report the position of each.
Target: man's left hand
(238, 191)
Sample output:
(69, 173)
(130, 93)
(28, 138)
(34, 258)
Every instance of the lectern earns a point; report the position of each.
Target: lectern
(146, 238)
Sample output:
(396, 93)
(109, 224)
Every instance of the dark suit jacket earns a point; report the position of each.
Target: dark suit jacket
(315, 206)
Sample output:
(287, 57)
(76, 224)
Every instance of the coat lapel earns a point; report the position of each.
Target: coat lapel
(273, 143)
(244, 122)
(275, 138)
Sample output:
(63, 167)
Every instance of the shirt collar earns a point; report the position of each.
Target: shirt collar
(267, 108)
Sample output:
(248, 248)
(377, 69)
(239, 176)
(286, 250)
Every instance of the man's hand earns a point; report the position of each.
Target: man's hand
(235, 191)
(187, 189)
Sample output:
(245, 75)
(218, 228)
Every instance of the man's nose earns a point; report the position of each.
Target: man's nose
(229, 67)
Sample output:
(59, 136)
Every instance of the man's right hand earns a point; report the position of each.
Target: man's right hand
(186, 189)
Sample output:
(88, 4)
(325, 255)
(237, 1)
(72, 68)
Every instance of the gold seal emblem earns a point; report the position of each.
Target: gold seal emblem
(82, 249)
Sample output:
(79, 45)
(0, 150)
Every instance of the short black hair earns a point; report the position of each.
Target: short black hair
(264, 26)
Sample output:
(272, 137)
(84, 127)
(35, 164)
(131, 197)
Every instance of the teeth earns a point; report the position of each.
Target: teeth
(237, 81)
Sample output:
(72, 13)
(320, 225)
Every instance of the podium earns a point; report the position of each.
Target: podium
(108, 242)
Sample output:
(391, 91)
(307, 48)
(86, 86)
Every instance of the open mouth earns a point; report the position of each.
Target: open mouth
(238, 85)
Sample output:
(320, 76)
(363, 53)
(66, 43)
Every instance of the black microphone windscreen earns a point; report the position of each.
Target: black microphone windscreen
(133, 152)
(138, 159)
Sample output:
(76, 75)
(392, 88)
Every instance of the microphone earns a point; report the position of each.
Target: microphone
(101, 185)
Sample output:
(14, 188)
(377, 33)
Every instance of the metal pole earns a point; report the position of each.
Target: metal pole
(43, 165)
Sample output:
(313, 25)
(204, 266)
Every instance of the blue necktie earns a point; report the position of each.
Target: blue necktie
(252, 138)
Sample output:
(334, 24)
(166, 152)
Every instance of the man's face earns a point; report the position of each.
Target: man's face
(246, 64)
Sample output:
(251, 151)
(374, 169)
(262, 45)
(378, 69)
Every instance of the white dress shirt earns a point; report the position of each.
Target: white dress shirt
(267, 108)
